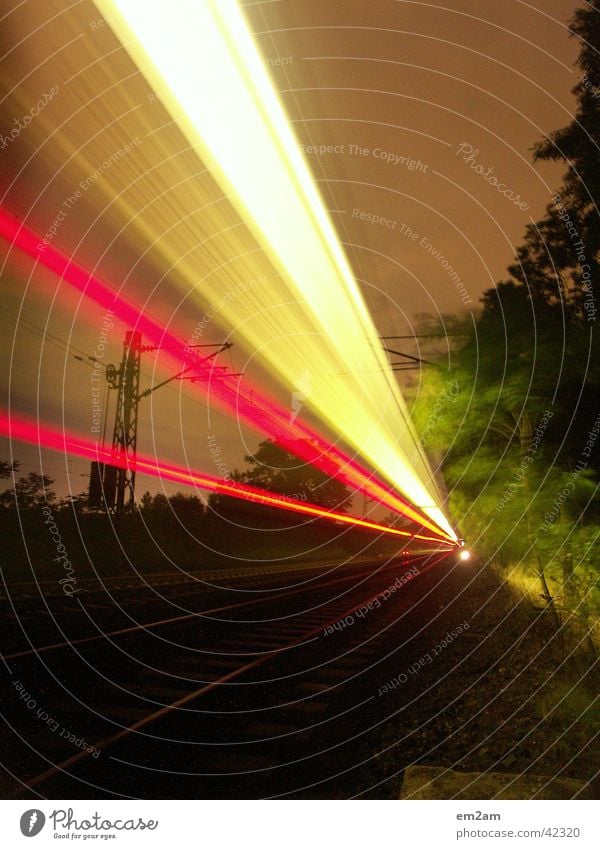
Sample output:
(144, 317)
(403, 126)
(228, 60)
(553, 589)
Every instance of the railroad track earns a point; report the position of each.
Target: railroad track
(258, 697)
(27, 590)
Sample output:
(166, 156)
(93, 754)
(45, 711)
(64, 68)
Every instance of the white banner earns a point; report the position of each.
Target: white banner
(301, 824)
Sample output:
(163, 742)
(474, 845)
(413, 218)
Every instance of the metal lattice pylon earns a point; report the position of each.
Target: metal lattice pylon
(124, 441)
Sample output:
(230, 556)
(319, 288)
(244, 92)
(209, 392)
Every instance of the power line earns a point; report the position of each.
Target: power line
(83, 356)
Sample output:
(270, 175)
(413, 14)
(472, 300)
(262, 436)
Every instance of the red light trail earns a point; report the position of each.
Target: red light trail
(262, 413)
(23, 430)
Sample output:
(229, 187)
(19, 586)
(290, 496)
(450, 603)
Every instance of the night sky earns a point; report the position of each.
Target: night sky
(395, 104)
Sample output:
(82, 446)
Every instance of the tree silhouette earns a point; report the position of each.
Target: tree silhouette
(517, 439)
(276, 470)
(29, 492)
(7, 469)
(577, 145)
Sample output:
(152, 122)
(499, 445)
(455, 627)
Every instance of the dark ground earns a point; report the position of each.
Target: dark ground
(508, 693)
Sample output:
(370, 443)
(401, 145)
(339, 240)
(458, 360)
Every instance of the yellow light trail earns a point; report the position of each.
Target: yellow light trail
(200, 58)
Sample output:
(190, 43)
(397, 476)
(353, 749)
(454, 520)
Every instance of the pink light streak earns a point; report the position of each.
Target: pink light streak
(261, 413)
(25, 430)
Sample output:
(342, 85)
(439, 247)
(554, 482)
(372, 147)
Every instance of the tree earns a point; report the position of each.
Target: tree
(517, 439)
(187, 509)
(533, 345)
(520, 490)
(77, 503)
(29, 492)
(577, 145)
(146, 501)
(225, 505)
(7, 469)
(274, 469)
(155, 507)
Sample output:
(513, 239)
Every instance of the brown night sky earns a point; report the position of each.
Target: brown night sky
(380, 87)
